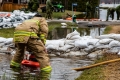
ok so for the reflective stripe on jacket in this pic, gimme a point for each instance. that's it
(22, 36)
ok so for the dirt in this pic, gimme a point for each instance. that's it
(115, 29)
(112, 70)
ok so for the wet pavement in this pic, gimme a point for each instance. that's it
(62, 69)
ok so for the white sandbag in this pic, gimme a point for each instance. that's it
(114, 43)
(98, 44)
(102, 46)
(2, 39)
(92, 41)
(81, 43)
(72, 34)
(105, 36)
(95, 55)
(92, 55)
(87, 37)
(52, 47)
(65, 48)
(77, 53)
(116, 37)
(75, 37)
(16, 12)
(2, 44)
(105, 41)
(4, 48)
(69, 41)
(113, 50)
(89, 48)
(8, 41)
(59, 42)
(118, 53)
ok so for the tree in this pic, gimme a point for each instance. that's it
(33, 5)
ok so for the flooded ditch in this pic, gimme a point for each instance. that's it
(62, 69)
(62, 66)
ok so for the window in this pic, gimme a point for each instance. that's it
(15, 1)
(7, 0)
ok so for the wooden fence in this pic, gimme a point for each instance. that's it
(11, 6)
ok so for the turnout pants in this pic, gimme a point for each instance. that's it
(38, 49)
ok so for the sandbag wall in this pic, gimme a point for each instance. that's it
(12, 19)
(74, 44)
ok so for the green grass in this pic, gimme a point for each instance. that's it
(7, 33)
(60, 15)
(107, 29)
(94, 73)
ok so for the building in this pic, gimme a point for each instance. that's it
(10, 5)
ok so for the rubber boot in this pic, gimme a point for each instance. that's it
(15, 66)
(45, 73)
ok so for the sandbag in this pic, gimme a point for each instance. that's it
(69, 41)
(52, 47)
(65, 48)
(2, 40)
(75, 37)
(8, 41)
(81, 43)
(95, 55)
(116, 37)
(89, 48)
(98, 44)
(114, 43)
(77, 53)
(105, 41)
(113, 50)
(72, 34)
(105, 36)
(92, 41)
(102, 47)
(59, 42)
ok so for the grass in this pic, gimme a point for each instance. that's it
(94, 73)
(61, 15)
(7, 33)
(107, 29)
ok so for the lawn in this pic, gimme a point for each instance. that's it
(61, 15)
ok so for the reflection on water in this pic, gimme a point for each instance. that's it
(25, 73)
(59, 33)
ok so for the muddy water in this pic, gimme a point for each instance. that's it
(62, 69)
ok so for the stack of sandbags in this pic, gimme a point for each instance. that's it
(69, 42)
(54, 44)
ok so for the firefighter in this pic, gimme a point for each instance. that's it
(88, 9)
(110, 12)
(118, 12)
(49, 9)
(32, 34)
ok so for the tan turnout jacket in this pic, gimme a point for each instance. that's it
(37, 25)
